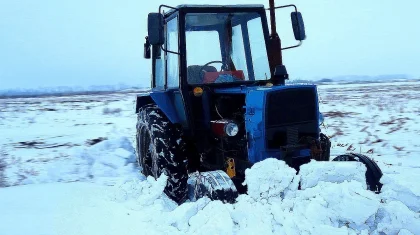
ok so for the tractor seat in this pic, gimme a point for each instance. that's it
(224, 76)
(195, 73)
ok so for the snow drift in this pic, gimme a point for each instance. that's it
(332, 200)
(105, 162)
(274, 205)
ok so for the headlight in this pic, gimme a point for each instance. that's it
(225, 128)
(231, 129)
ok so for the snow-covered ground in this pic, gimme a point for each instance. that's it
(71, 163)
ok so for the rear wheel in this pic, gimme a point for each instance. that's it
(159, 151)
(373, 172)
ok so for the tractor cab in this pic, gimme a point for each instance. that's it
(215, 45)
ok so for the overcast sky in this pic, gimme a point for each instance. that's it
(92, 42)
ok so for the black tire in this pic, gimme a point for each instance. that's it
(159, 151)
(373, 172)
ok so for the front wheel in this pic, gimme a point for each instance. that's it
(159, 151)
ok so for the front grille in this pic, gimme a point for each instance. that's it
(290, 107)
(292, 134)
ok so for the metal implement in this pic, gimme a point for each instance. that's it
(215, 185)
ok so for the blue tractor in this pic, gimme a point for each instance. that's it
(219, 103)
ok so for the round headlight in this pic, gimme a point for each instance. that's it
(231, 129)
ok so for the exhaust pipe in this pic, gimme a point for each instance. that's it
(275, 55)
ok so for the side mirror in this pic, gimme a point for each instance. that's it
(298, 26)
(147, 54)
(155, 29)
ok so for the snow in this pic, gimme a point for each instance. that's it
(403, 187)
(63, 185)
(315, 172)
(44, 91)
(395, 216)
(270, 178)
(138, 204)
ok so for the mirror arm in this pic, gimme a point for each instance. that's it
(294, 6)
(168, 51)
(291, 5)
(298, 45)
(160, 11)
(166, 6)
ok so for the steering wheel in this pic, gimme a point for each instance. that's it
(200, 72)
(209, 63)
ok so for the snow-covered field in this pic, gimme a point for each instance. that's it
(70, 165)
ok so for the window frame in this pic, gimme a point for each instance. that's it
(167, 20)
(155, 50)
(181, 13)
(251, 74)
(164, 54)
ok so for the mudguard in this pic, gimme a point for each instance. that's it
(142, 100)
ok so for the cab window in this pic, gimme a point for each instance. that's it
(172, 59)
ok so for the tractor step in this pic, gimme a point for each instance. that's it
(215, 185)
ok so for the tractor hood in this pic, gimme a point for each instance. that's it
(276, 117)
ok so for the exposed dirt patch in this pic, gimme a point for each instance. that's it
(95, 141)
(340, 114)
(48, 110)
(40, 145)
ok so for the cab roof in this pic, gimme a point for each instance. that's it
(203, 6)
(222, 6)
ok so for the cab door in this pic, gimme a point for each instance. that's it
(166, 75)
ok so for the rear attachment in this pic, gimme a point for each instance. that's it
(373, 172)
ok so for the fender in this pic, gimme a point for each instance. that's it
(142, 100)
(169, 102)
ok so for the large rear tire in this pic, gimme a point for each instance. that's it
(373, 172)
(159, 151)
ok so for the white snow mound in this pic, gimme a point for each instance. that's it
(395, 218)
(335, 172)
(345, 204)
(273, 205)
(403, 187)
(106, 163)
(270, 178)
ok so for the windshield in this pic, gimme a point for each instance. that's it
(225, 48)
